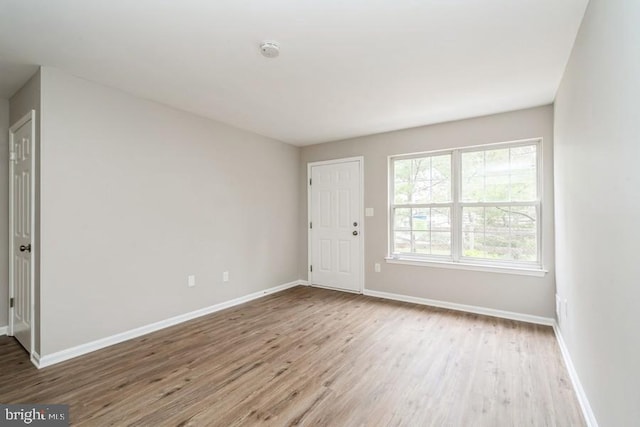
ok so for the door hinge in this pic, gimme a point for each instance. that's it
(11, 303)
(309, 181)
(311, 268)
(310, 224)
(12, 156)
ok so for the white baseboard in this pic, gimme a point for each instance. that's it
(4, 330)
(463, 307)
(70, 353)
(587, 412)
(35, 359)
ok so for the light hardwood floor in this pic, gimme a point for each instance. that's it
(311, 356)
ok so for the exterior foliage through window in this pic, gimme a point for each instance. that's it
(473, 205)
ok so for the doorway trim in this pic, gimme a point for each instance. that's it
(31, 115)
(360, 160)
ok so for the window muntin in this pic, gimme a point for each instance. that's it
(499, 175)
(476, 205)
(422, 208)
(423, 230)
(506, 233)
(422, 180)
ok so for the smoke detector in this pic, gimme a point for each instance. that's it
(270, 49)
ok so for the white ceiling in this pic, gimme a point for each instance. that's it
(346, 68)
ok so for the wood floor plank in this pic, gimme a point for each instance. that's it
(312, 357)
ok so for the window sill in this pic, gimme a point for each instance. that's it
(537, 272)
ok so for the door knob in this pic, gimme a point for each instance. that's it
(24, 248)
(355, 233)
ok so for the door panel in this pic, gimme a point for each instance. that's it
(336, 255)
(325, 255)
(344, 256)
(21, 233)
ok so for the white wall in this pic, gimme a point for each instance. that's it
(597, 129)
(4, 212)
(137, 195)
(521, 294)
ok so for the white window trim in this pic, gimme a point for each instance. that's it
(456, 260)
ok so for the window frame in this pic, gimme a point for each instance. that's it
(457, 259)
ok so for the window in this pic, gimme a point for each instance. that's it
(477, 205)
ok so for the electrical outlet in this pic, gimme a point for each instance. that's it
(558, 307)
(225, 276)
(566, 308)
(376, 267)
(191, 281)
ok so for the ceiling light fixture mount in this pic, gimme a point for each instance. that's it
(270, 49)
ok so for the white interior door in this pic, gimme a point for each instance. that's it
(21, 230)
(335, 232)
